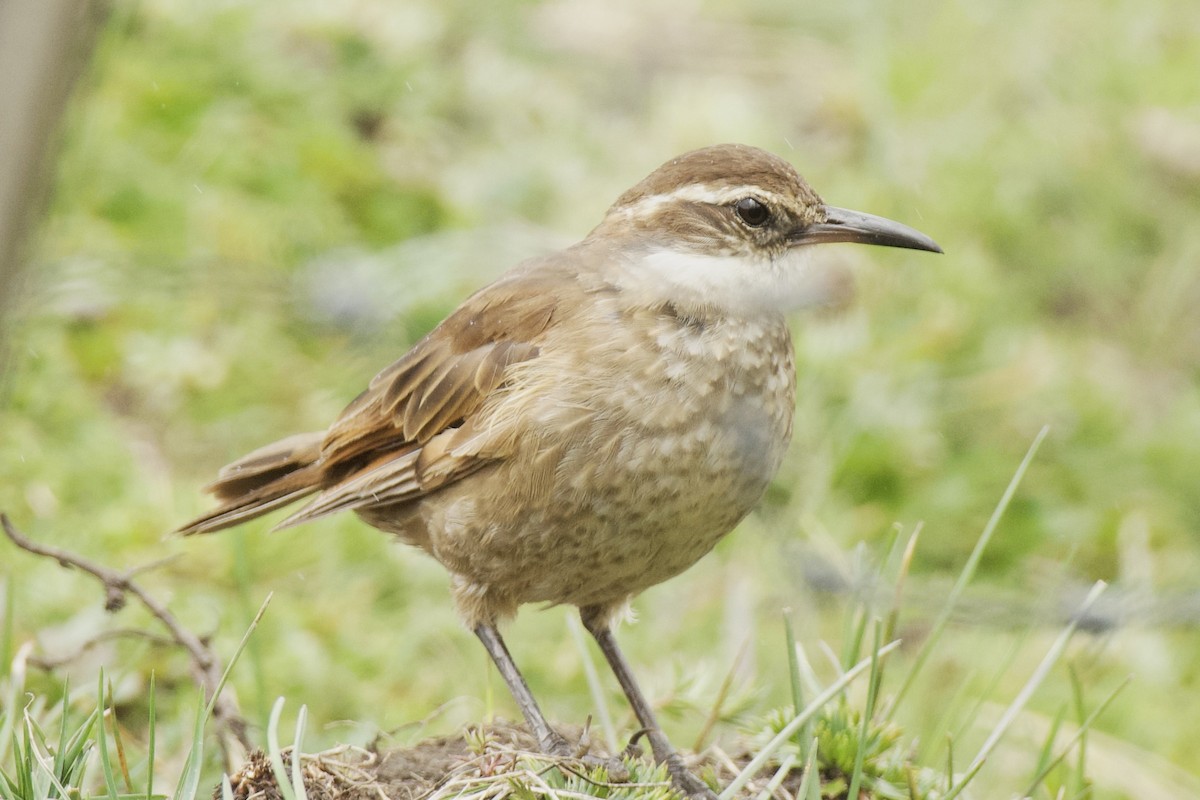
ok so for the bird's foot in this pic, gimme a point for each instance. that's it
(685, 781)
(558, 746)
(683, 778)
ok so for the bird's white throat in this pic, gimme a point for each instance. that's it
(746, 286)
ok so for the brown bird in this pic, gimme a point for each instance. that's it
(593, 422)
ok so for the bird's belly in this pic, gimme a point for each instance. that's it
(628, 507)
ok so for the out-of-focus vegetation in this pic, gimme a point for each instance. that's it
(260, 205)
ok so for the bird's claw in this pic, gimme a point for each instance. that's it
(559, 747)
(686, 782)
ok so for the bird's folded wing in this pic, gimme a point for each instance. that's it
(411, 431)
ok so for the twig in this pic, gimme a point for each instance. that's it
(152, 565)
(47, 664)
(205, 665)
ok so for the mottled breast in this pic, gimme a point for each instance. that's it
(638, 440)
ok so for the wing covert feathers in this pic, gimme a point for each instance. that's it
(398, 440)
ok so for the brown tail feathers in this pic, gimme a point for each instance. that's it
(269, 478)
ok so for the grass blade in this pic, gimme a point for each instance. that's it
(1079, 734)
(48, 768)
(777, 779)
(1047, 751)
(110, 780)
(949, 762)
(867, 714)
(6, 637)
(16, 685)
(243, 580)
(810, 784)
(212, 703)
(714, 714)
(1080, 774)
(1031, 685)
(122, 761)
(805, 733)
(906, 559)
(60, 752)
(275, 753)
(968, 571)
(189, 781)
(150, 745)
(298, 753)
(1003, 666)
(789, 730)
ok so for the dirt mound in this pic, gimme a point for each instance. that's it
(481, 762)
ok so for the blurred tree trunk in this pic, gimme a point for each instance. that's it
(44, 45)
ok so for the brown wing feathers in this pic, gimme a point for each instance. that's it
(459, 388)
(269, 478)
(372, 454)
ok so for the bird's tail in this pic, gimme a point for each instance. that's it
(269, 478)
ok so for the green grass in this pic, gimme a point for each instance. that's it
(257, 206)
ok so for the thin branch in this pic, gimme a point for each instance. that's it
(47, 664)
(152, 565)
(117, 585)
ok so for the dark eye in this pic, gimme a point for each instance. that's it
(752, 212)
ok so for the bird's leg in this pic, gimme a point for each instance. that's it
(550, 741)
(597, 624)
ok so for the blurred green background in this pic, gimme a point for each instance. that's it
(259, 205)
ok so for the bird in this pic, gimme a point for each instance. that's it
(595, 420)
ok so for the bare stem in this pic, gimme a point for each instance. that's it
(117, 586)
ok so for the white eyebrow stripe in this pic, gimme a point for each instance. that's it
(692, 193)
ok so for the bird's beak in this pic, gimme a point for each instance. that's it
(844, 225)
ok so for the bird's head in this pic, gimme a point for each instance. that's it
(731, 225)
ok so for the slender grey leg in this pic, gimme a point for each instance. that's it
(664, 753)
(549, 741)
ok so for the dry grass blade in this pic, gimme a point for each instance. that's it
(1018, 703)
(760, 760)
(1080, 732)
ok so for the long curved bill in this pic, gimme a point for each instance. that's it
(844, 225)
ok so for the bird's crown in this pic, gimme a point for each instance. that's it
(721, 198)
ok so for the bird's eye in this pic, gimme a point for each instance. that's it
(752, 212)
